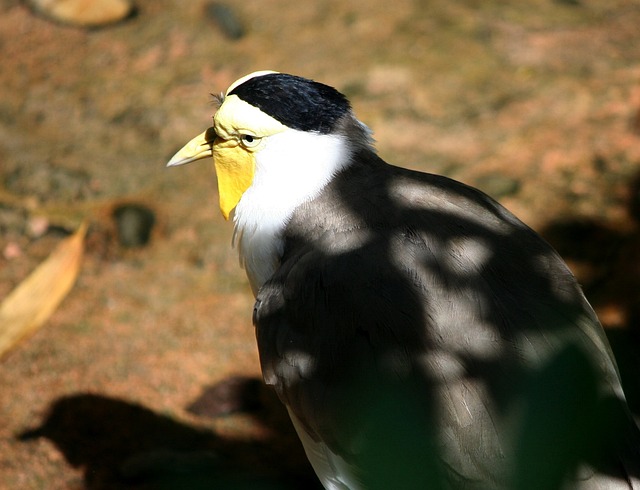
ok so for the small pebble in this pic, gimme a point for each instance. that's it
(84, 13)
(134, 223)
(226, 19)
(38, 226)
(12, 251)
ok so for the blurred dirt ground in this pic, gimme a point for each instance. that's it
(131, 382)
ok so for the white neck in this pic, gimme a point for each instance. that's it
(292, 168)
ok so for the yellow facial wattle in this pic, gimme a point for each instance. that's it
(239, 132)
(233, 159)
(235, 167)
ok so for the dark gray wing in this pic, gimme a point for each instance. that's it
(408, 321)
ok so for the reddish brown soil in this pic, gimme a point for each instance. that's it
(538, 104)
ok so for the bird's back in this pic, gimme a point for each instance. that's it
(412, 324)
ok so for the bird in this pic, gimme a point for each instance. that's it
(419, 335)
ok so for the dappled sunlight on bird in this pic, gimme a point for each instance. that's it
(419, 334)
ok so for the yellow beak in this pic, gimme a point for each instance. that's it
(234, 165)
(198, 148)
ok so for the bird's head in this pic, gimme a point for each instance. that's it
(280, 128)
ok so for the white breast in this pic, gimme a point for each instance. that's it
(291, 168)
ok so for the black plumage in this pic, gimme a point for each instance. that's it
(408, 323)
(296, 102)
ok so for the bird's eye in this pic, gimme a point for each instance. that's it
(249, 141)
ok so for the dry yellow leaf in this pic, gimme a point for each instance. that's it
(33, 301)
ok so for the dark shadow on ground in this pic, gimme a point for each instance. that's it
(608, 263)
(123, 445)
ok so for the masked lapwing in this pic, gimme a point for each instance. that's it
(419, 335)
